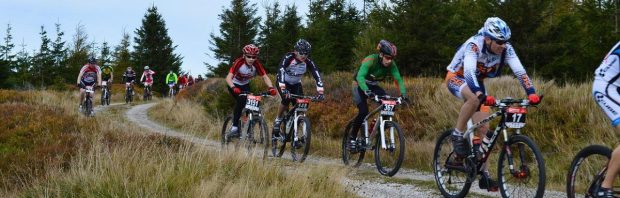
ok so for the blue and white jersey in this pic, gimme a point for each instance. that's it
(609, 70)
(474, 62)
(292, 70)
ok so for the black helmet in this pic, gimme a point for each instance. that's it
(303, 47)
(386, 48)
(92, 60)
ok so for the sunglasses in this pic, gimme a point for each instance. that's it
(499, 42)
(250, 57)
(387, 57)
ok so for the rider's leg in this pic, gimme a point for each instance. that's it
(467, 110)
(362, 106)
(239, 104)
(614, 166)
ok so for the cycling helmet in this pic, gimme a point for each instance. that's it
(386, 48)
(497, 29)
(251, 49)
(146, 67)
(303, 47)
(128, 68)
(92, 60)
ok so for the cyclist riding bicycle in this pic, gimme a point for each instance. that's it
(606, 92)
(171, 78)
(482, 55)
(242, 71)
(147, 76)
(129, 77)
(292, 68)
(89, 74)
(374, 68)
(182, 81)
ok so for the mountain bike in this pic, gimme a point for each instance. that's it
(128, 92)
(87, 104)
(147, 93)
(385, 138)
(520, 168)
(587, 172)
(171, 90)
(295, 128)
(251, 122)
(105, 93)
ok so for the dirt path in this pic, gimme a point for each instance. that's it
(406, 182)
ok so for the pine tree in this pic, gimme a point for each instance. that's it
(43, 61)
(7, 65)
(238, 27)
(59, 55)
(104, 57)
(122, 56)
(78, 54)
(7, 47)
(153, 47)
(23, 63)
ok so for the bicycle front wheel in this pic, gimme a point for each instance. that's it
(389, 156)
(302, 144)
(350, 158)
(257, 135)
(527, 179)
(587, 171)
(452, 175)
(278, 146)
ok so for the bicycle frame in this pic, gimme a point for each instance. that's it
(368, 138)
(295, 113)
(469, 134)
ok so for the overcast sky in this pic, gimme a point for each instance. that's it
(189, 22)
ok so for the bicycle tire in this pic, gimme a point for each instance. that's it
(261, 138)
(524, 174)
(89, 106)
(599, 168)
(225, 127)
(347, 156)
(277, 146)
(304, 140)
(444, 143)
(400, 148)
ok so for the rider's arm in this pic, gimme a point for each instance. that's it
(142, 77)
(111, 74)
(282, 71)
(469, 67)
(517, 68)
(229, 80)
(98, 76)
(363, 71)
(267, 80)
(315, 72)
(260, 70)
(80, 76)
(398, 78)
(176, 79)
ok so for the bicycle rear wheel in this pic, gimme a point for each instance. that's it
(225, 128)
(528, 177)
(389, 159)
(587, 171)
(453, 177)
(302, 144)
(349, 158)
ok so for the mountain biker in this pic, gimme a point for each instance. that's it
(182, 81)
(107, 73)
(292, 68)
(129, 77)
(199, 78)
(482, 55)
(89, 74)
(374, 68)
(147, 77)
(171, 78)
(605, 90)
(190, 81)
(242, 71)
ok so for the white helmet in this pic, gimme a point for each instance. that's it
(497, 29)
(146, 67)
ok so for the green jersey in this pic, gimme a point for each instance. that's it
(171, 77)
(106, 72)
(373, 71)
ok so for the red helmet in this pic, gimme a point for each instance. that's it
(251, 49)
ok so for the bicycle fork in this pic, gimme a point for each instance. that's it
(522, 172)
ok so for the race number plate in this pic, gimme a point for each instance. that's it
(253, 103)
(515, 117)
(89, 89)
(302, 104)
(388, 107)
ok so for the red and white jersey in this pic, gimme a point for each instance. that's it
(148, 74)
(243, 73)
(89, 73)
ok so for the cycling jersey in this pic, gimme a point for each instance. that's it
(89, 74)
(291, 70)
(372, 71)
(106, 72)
(147, 76)
(171, 78)
(473, 62)
(129, 76)
(243, 73)
(605, 88)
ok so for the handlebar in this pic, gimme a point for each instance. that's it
(377, 99)
(246, 93)
(509, 101)
(313, 98)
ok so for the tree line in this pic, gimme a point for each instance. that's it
(555, 39)
(57, 62)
